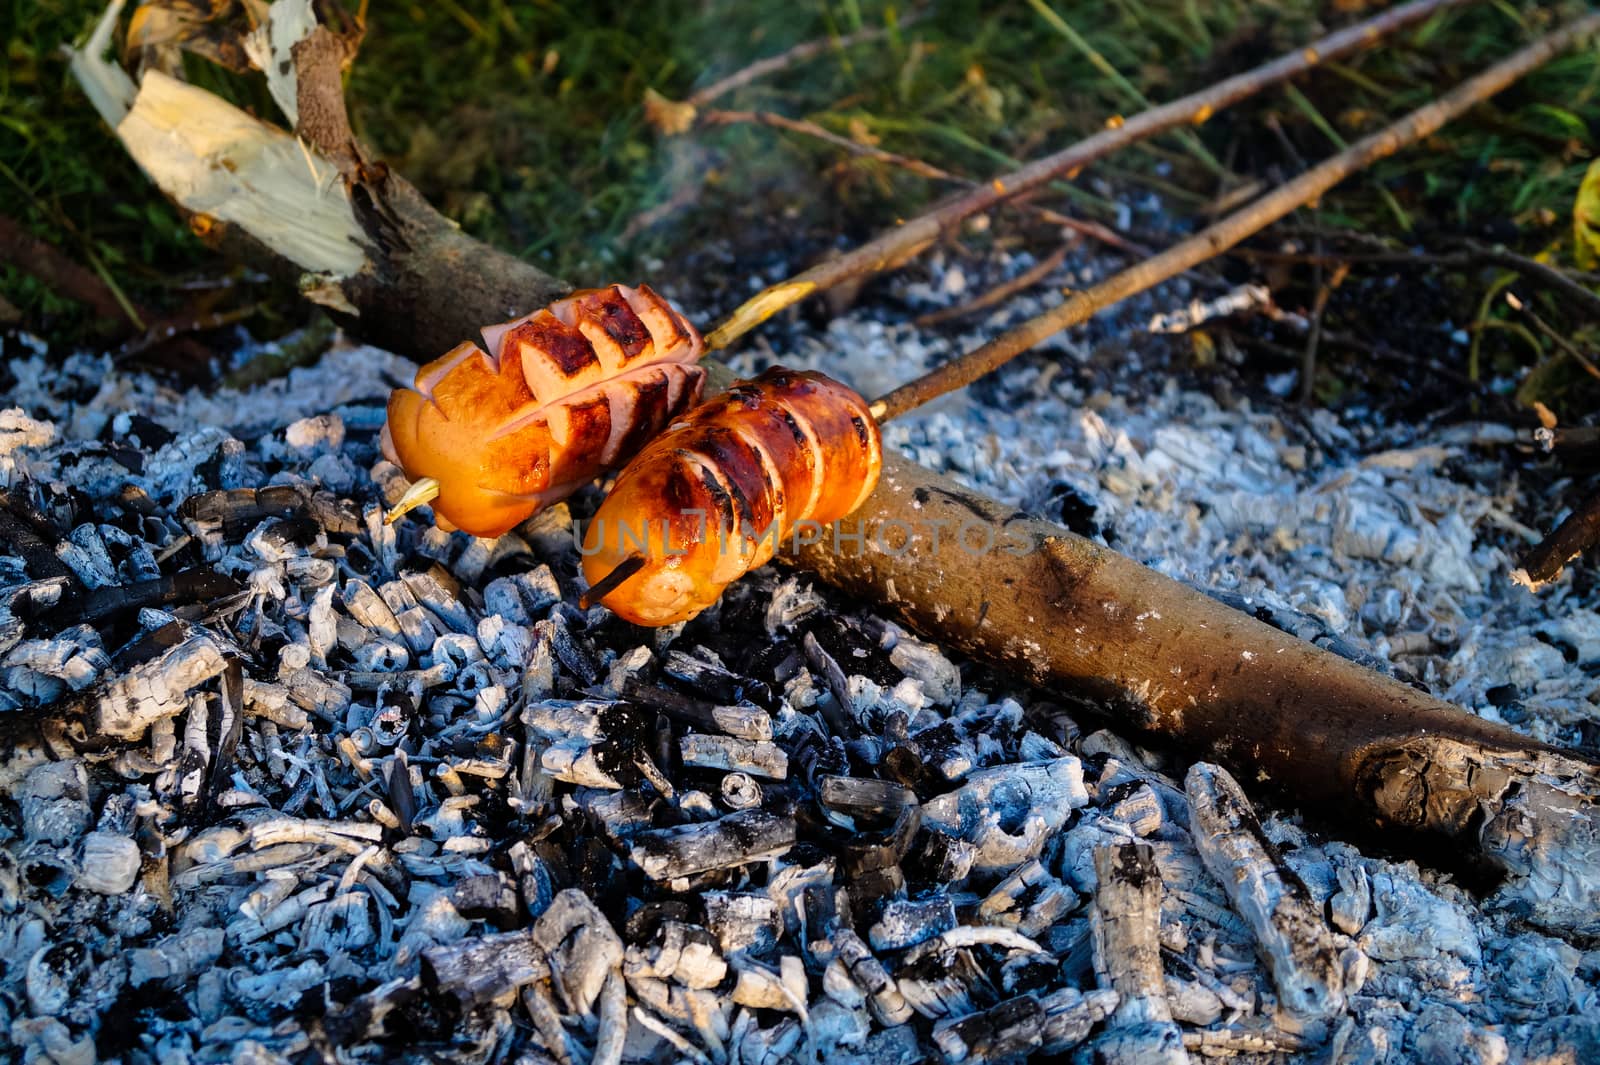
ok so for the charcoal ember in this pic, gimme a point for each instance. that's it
(489, 896)
(237, 511)
(573, 654)
(905, 923)
(1028, 900)
(751, 757)
(710, 680)
(1013, 1027)
(864, 797)
(743, 923)
(865, 852)
(1009, 813)
(737, 839)
(486, 969)
(741, 722)
(939, 981)
(944, 858)
(855, 975)
(817, 755)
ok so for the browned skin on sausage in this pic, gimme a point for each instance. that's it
(714, 496)
(508, 432)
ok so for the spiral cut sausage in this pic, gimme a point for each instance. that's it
(719, 492)
(561, 396)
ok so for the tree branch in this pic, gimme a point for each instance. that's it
(904, 242)
(1246, 222)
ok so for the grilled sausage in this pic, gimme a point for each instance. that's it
(716, 494)
(565, 394)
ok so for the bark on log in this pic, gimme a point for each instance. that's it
(1060, 610)
(1169, 661)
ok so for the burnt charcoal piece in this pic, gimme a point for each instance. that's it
(187, 587)
(713, 682)
(402, 800)
(741, 722)
(867, 851)
(472, 972)
(748, 836)
(819, 756)
(875, 800)
(840, 717)
(238, 510)
(491, 897)
(1015, 1026)
(575, 653)
(29, 535)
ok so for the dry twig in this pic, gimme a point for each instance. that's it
(1577, 534)
(1213, 240)
(904, 242)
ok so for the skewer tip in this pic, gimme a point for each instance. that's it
(421, 492)
(611, 581)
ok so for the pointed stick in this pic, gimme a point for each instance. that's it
(611, 581)
(904, 242)
(1210, 242)
(422, 492)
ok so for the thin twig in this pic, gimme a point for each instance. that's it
(1571, 538)
(902, 243)
(1567, 347)
(798, 54)
(1023, 281)
(1308, 361)
(922, 168)
(63, 274)
(1570, 283)
(1236, 227)
(807, 128)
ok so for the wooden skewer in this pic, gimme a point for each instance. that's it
(611, 581)
(422, 492)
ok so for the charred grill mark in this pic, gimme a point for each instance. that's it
(800, 436)
(610, 311)
(651, 410)
(861, 432)
(563, 344)
(729, 510)
(673, 316)
(743, 470)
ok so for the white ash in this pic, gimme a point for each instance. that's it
(423, 757)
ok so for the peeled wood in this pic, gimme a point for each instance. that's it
(1070, 615)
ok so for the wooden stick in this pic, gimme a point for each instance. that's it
(1246, 222)
(1167, 660)
(904, 242)
(798, 54)
(1023, 281)
(1579, 533)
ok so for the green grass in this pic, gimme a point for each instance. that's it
(523, 120)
